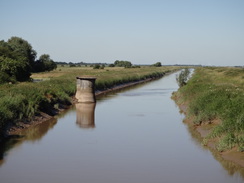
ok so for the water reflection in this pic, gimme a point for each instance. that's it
(85, 115)
(6, 145)
(36, 132)
(230, 167)
(33, 133)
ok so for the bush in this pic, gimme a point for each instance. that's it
(122, 63)
(182, 78)
(157, 64)
(111, 65)
(96, 66)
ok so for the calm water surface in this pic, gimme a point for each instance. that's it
(132, 136)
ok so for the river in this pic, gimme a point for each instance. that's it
(134, 135)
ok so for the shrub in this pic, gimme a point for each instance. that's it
(157, 64)
(183, 77)
(96, 66)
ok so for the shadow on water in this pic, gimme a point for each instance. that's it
(7, 144)
(32, 134)
(231, 167)
(35, 133)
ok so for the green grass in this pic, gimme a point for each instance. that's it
(24, 100)
(218, 93)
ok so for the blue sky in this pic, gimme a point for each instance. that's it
(207, 32)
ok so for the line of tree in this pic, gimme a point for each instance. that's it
(79, 64)
(18, 61)
(157, 64)
(122, 63)
(44, 63)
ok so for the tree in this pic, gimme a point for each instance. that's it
(102, 66)
(13, 70)
(22, 49)
(157, 64)
(96, 66)
(48, 62)
(111, 65)
(14, 66)
(17, 60)
(126, 64)
(183, 77)
(44, 63)
(6, 51)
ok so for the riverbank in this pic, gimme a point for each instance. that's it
(204, 130)
(212, 102)
(15, 128)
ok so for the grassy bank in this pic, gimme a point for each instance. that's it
(20, 102)
(216, 94)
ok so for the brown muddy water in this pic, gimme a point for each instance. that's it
(131, 136)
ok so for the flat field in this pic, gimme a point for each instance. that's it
(101, 74)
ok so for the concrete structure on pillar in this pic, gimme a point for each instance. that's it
(85, 89)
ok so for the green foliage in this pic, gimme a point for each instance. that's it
(72, 65)
(212, 93)
(23, 49)
(13, 70)
(136, 66)
(157, 64)
(4, 77)
(106, 84)
(126, 64)
(183, 77)
(96, 66)
(111, 65)
(23, 101)
(6, 50)
(102, 66)
(17, 61)
(227, 142)
(45, 63)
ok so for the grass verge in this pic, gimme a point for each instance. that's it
(217, 93)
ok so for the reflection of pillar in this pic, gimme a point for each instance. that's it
(85, 89)
(85, 115)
